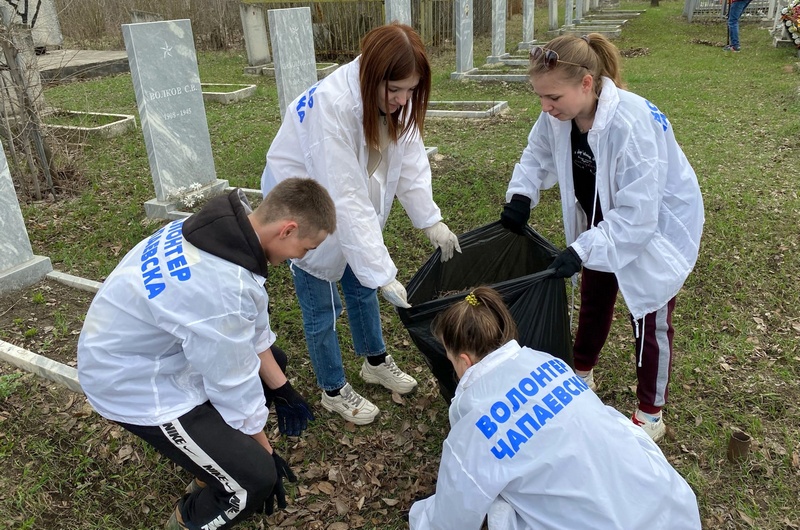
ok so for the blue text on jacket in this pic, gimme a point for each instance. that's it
(659, 116)
(559, 395)
(301, 103)
(176, 262)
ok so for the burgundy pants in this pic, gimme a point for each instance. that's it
(653, 338)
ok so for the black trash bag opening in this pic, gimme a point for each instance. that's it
(512, 264)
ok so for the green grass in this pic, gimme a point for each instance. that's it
(737, 319)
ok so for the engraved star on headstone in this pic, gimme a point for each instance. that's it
(167, 48)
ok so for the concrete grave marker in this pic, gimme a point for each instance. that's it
(254, 25)
(42, 19)
(498, 32)
(568, 13)
(293, 52)
(552, 15)
(19, 268)
(163, 65)
(528, 8)
(463, 27)
(399, 11)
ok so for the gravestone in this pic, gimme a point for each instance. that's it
(528, 8)
(399, 11)
(163, 65)
(463, 30)
(256, 43)
(19, 267)
(42, 19)
(579, 8)
(138, 15)
(292, 42)
(552, 15)
(498, 32)
(568, 12)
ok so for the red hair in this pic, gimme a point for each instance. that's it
(392, 53)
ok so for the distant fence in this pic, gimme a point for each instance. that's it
(339, 25)
(717, 9)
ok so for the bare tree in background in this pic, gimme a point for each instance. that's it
(22, 98)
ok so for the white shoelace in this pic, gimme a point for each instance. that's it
(352, 398)
(394, 369)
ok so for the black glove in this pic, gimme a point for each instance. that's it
(293, 411)
(566, 264)
(282, 471)
(516, 213)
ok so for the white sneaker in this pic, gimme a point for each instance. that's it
(588, 378)
(350, 406)
(389, 375)
(654, 428)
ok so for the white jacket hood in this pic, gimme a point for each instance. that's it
(651, 201)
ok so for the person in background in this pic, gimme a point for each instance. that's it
(358, 132)
(735, 11)
(177, 348)
(531, 447)
(631, 203)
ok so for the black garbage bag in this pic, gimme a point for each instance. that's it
(514, 265)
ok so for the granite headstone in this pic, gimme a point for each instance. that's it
(19, 267)
(163, 65)
(463, 28)
(254, 25)
(498, 32)
(292, 41)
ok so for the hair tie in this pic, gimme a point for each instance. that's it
(586, 39)
(472, 300)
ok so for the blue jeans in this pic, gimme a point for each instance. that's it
(321, 306)
(734, 14)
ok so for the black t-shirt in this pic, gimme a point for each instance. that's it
(584, 172)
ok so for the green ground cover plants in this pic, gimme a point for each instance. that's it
(737, 319)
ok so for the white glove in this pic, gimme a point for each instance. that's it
(395, 293)
(442, 237)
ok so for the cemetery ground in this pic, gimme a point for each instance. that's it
(737, 320)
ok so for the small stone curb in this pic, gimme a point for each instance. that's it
(42, 366)
(39, 364)
(75, 281)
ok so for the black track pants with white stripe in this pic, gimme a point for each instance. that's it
(238, 471)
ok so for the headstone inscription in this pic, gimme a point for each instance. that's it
(163, 65)
(19, 267)
(292, 41)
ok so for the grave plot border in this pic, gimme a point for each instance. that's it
(228, 97)
(125, 123)
(40, 365)
(494, 108)
(323, 70)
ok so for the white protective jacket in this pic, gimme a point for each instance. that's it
(174, 326)
(322, 137)
(651, 202)
(525, 429)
